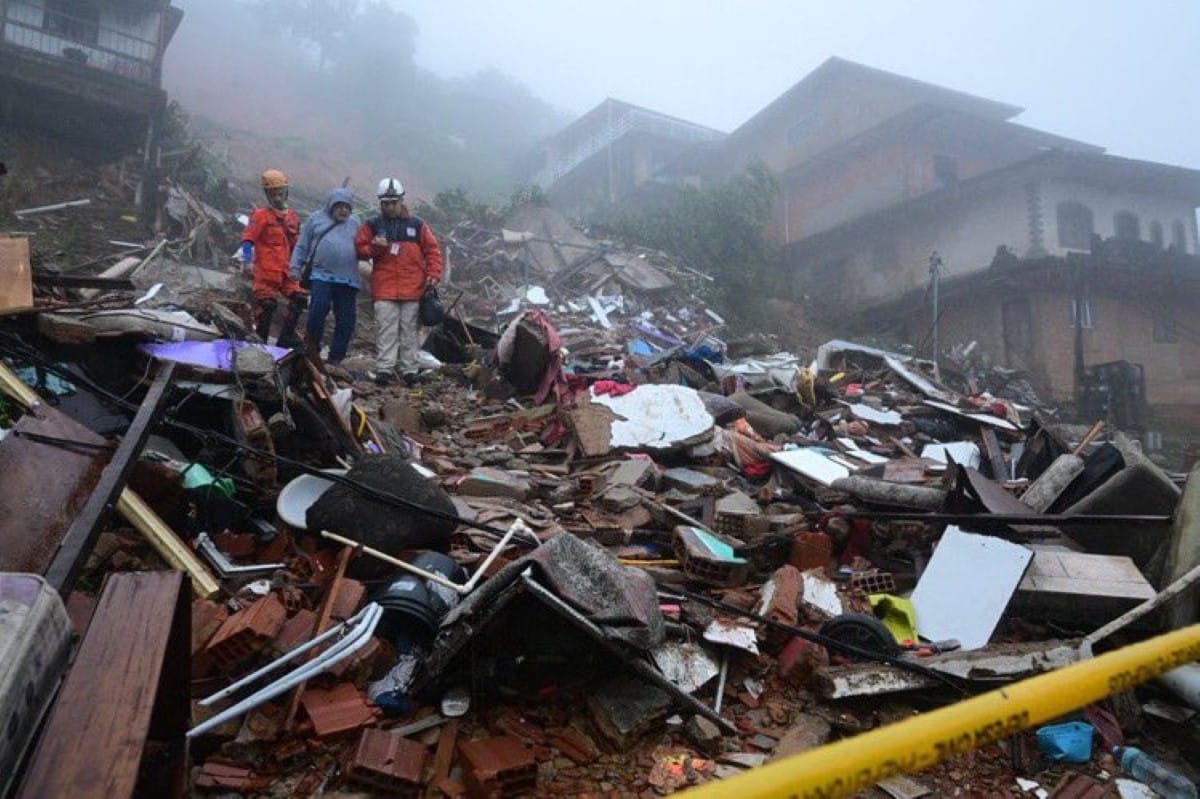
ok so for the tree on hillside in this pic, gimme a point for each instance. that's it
(718, 230)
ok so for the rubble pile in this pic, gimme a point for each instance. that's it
(600, 551)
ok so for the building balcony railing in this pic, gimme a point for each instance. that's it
(30, 26)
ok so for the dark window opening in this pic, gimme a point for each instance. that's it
(78, 20)
(1156, 233)
(1075, 226)
(1126, 226)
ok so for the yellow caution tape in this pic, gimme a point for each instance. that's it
(848, 766)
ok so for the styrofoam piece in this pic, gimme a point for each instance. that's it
(812, 463)
(965, 453)
(685, 663)
(820, 592)
(967, 585)
(658, 417)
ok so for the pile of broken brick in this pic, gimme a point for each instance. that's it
(602, 551)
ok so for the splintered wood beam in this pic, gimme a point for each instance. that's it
(81, 536)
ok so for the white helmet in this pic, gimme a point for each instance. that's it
(390, 189)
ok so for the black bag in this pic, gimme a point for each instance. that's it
(431, 312)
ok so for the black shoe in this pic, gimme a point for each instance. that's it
(411, 379)
(383, 378)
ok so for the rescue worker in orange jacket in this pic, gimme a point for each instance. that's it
(406, 260)
(267, 245)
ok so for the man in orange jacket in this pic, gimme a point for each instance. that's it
(406, 260)
(267, 244)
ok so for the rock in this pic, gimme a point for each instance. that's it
(808, 732)
(386, 527)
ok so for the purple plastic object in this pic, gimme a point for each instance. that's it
(212, 354)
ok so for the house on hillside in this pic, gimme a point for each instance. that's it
(610, 152)
(880, 173)
(86, 69)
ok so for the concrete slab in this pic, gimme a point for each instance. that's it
(1080, 587)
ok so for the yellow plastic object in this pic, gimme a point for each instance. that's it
(897, 614)
(853, 764)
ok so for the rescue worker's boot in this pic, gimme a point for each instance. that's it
(266, 312)
(291, 319)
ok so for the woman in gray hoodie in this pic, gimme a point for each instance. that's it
(327, 238)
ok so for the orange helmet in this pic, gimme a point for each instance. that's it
(274, 179)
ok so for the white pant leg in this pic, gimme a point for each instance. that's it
(410, 329)
(387, 333)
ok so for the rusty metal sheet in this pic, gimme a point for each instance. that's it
(43, 486)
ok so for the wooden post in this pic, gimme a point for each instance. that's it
(78, 542)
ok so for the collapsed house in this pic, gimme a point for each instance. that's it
(606, 549)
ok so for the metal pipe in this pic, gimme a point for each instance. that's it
(232, 689)
(461, 589)
(335, 654)
(1164, 596)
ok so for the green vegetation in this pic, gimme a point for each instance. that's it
(717, 230)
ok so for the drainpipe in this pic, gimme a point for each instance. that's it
(935, 280)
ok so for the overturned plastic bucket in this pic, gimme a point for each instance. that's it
(1067, 743)
(415, 606)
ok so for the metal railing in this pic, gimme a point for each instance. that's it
(83, 41)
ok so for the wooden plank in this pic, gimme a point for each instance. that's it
(128, 686)
(16, 274)
(43, 485)
(78, 542)
(443, 758)
(995, 455)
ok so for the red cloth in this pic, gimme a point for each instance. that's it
(401, 270)
(612, 387)
(273, 234)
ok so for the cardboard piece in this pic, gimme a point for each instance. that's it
(16, 275)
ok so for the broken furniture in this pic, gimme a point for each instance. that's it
(121, 698)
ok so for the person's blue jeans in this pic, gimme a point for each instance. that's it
(343, 301)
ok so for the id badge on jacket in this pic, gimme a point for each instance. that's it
(394, 248)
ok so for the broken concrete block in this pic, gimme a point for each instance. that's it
(1183, 552)
(1051, 483)
(807, 732)
(1139, 488)
(691, 481)
(488, 482)
(657, 417)
(706, 558)
(633, 472)
(624, 707)
(704, 734)
(1079, 587)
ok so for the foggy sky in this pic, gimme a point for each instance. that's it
(1122, 75)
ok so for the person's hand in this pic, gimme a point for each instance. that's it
(380, 241)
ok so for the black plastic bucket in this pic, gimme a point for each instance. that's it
(416, 606)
